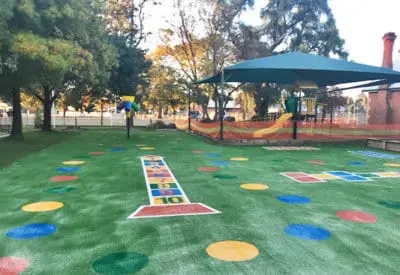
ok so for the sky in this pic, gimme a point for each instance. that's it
(361, 23)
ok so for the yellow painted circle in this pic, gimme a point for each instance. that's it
(392, 164)
(254, 186)
(73, 162)
(42, 206)
(232, 251)
(147, 148)
(239, 159)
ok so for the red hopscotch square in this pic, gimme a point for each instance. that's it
(172, 210)
(308, 179)
(296, 174)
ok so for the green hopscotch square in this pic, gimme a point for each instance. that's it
(154, 186)
(368, 175)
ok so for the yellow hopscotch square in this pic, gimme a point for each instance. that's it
(169, 200)
(161, 180)
(388, 174)
(324, 176)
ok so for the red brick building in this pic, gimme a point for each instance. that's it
(384, 101)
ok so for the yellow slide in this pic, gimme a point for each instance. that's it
(278, 124)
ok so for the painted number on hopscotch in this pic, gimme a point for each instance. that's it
(162, 186)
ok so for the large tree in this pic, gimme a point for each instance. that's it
(289, 25)
(218, 18)
(132, 68)
(57, 44)
(166, 89)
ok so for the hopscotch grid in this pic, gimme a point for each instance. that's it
(147, 182)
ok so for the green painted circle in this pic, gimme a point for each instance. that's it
(60, 189)
(277, 160)
(225, 177)
(390, 204)
(120, 263)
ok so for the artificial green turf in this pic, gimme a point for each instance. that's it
(92, 224)
(11, 150)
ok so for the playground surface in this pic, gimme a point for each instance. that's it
(98, 203)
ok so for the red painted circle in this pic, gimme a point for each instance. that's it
(63, 178)
(12, 265)
(316, 162)
(356, 216)
(198, 152)
(96, 153)
(208, 169)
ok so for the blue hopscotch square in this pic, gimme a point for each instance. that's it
(166, 192)
(153, 163)
(354, 178)
(339, 174)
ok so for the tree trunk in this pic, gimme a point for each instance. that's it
(64, 113)
(16, 130)
(216, 110)
(205, 111)
(47, 109)
(160, 110)
(101, 114)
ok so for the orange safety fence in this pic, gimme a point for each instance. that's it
(284, 130)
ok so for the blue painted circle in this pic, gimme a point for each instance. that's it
(293, 199)
(31, 231)
(307, 232)
(356, 163)
(68, 169)
(117, 150)
(220, 163)
(213, 155)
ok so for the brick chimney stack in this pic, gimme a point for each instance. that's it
(388, 43)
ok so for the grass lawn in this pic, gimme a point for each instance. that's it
(91, 234)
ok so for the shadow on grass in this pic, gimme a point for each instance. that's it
(12, 150)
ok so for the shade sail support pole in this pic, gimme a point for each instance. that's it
(189, 99)
(221, 107)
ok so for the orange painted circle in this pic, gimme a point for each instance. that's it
(232, 251)
(96, 153)
(254, 186)
(42, 206)
(208, 169)
(319, 162)
(63, 178)
(197, 151)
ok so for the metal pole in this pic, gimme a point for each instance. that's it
(128, 126)
(189, 127)
(53, 110)
(296, 116)
(316, 107)
(221, 108)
